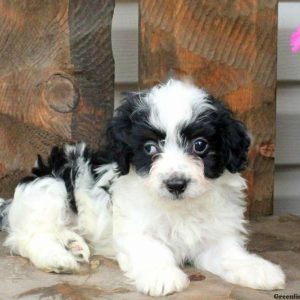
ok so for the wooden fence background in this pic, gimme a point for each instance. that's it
(56, 79)
(57, 75)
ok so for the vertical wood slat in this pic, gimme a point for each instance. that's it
(229, 48)
(56, 79)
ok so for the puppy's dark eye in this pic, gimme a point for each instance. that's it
(150, 148)
(199, 145)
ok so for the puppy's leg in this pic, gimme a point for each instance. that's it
(37, 225)
(151, 265)
(233, 263)
(47, 253)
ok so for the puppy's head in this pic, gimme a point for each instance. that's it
(178, 139)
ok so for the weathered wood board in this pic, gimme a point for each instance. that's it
(229, 48)
(56, 79)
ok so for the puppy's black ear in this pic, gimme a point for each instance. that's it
(119, 131)
(236, 143)
(235, 140)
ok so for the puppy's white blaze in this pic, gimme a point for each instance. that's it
(174, 162)
(176, 103)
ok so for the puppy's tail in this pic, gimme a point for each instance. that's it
(4, 209)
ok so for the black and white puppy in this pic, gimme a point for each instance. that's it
(168, 191)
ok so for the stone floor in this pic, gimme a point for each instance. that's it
(275, 238)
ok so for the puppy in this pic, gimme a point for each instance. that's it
(168, 190)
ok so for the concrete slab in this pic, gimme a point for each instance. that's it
(276, 238)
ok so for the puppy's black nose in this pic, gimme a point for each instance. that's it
(176, 185)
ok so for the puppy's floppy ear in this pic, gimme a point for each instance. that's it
(119, 130)
(236, 142)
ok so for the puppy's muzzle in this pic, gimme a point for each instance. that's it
(176, 185)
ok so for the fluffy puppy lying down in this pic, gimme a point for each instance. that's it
(167, 191)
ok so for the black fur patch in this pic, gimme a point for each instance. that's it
(228, 141)
(128, 132)
(64, 166)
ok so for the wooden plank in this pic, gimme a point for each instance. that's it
(56, 78)
(288, 20)
(20, 142)
(288, 124)
(228, 47)
(288, 140)
(93, 67)
(288, 98)
(287, 190)
(125, 41)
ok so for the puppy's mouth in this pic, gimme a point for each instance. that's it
(177, 196)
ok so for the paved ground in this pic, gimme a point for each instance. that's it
(275, 238)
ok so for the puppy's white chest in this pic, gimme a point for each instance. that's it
(182, 235)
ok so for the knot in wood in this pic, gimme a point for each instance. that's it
(61, 94)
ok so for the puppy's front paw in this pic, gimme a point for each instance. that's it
(161, 282)
(257, 273)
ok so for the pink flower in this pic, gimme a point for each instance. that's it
(295, 41)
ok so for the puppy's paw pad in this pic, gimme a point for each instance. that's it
(161, 282)
(76, 246)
